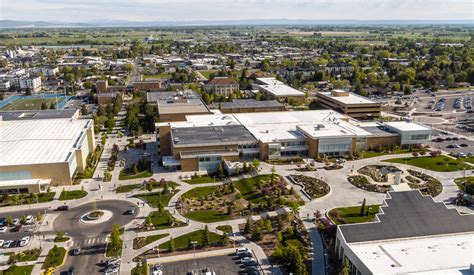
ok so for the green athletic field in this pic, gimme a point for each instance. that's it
(30, 103)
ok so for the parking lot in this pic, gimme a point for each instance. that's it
(11, 234)
(229, 264)
(451, 143)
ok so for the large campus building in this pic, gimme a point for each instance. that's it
(412, 234)
(275, 89)
(350, 104)
(203, 141)
(41, 148)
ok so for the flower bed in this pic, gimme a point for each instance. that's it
(378, 173)
(363, 183)
(314, 187)
(431, 186)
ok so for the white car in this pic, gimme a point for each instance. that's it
(3, 229)
(6, 244)
(24, 241)
(30, 219)
(16, 221)
(1, 243)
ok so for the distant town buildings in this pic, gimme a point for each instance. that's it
(223, 86)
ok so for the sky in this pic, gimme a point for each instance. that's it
(189, 10)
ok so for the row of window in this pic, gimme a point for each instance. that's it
(344, 147)
(419, 137)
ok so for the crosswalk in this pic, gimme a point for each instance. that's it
(89, 241)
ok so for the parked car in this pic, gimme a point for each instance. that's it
(1, 243)
(3, 229)
(24, 241)
(3, 221)
(247, 261)
(62, 208)
(6, 244)
(16, 228)
(463, 145)
(16, 221)
(30, 219)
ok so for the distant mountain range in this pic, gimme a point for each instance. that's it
(8, 24)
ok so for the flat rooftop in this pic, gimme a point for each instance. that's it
(25, 142)
(449, 254)
(409, 214)
(209, 135)
(40, 114)
(407, 126)
(250, 103)
(182, 106)
(335, 130)
(350, 98)
(155, 96)
(278, 88)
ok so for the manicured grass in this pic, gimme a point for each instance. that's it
(352, 214)
(140, 270)
(155, 185)
(154, 199)
(207, 216)
(127, 188)
(72, 195)
(469, 184)
(438, 163)
(26, 255)
(141, 242)
(198, 180)
(372, 154)
(61, 240)
(248, 187)
(200, 192)
(161, 220)
(225, 228)
(181, 242)
(16, 270)
(207, 73)
(144, 174)
(30, 103)
(54, 258)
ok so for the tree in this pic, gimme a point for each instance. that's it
(268, 225)
(219, 171)
(248, 226)
(9, 220)
(206, 238)
(44, 106)
(84, 110)
(225, 239)
(257, 233)
(59, 236)
(272, 177)
(362, 209)
(256, 164)
(148, 221)
(149, 187)
(171, 246)
(115, 240)
(23, 219)
(39, 216)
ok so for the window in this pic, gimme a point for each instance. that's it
(419, 137)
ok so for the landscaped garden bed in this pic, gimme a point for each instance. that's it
(157, 198)
(378, 173)
(142, 186)
(430, 185)
(158, 220)
(54, 258)
(314, 187)
(466, 184)
(362, 182)
(232, 200)
(199, 180)
(285, 161)
(26, 199)
(72, 195)
(25, 256)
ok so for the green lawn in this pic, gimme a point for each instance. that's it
(248, 187)
(225, 228)
(19, 270)
(469, 184)
(372, 154)
(438, 163)
(352, 214)
(144, 174)
(30, 103)
(141, 242)
(139, 270)
(161, 220)
(207, 73)
(54, 258)
(198, 180)
(181, 242)
(153, 198)
(130, 187)
(200, 192)
(72, 195)
(207, 216)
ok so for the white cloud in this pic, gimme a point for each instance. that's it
(182, 10)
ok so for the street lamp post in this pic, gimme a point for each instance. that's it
(194, 252)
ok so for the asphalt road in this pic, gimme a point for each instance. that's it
(91, 238)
